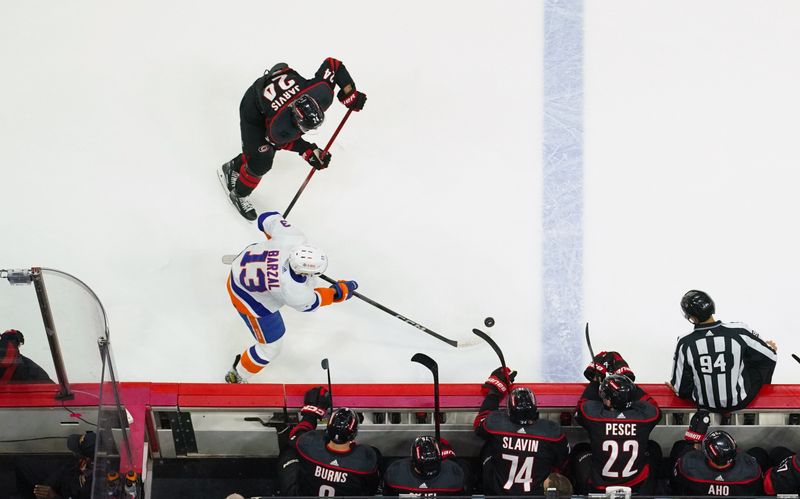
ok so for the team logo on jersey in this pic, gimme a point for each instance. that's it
(263, 148)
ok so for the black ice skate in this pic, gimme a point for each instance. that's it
(233, 376)
(227, 177)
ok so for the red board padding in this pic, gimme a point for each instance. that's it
(225, 395)
(355, 395)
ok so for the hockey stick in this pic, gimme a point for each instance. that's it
(589, 342)
(795, 357)
(228, 259)
(389, 311)
(327, 367)
(431, 364)
(492, 344)
(313, 170)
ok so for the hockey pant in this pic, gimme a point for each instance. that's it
(267, 331)
(257, 153)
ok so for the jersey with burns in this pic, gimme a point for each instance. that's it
(261, 281)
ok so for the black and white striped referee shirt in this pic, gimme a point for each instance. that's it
(721, 366)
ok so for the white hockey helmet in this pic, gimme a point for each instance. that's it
(308, 260)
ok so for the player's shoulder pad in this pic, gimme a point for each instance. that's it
(498, 423)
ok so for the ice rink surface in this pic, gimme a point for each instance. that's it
(116, 116)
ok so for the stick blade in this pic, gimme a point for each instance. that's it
(426, 361)
(324, 363)
(795, 357)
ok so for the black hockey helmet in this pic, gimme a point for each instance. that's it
(426, 457)
(342, 426)
(617, 389)
(13, 335)
(697, 304)
(522, 406)
(720, 448)
(306, 113)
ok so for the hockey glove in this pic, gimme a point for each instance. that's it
(343, 290)
(313, 155)
(617, 365)
(498, 382)
(597, 368)
(698, 426)
(316, 402)
(446, 448)
(13, 335)
(355, 100)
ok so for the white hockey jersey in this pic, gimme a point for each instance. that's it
(260, 281)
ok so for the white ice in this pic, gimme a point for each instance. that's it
(115, 116)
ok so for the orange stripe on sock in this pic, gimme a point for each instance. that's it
(248, 364)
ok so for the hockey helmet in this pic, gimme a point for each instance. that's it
(426, 457)
(522, 406)
(306, 113)
(720, 448)
(342, 426)
(617, 391)
(697, 304)
(308, 260)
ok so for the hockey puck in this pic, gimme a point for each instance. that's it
(488, 322)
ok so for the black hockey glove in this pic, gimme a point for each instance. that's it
(313, 155)
(605, 363)
(343, 290)
(498, 382)
(698, 426)
(316, 402)
(13, 335)
(355, 100)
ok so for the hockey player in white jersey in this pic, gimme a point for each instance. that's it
(266, 276)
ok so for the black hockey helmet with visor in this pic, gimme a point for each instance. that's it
(426, 456)
(697, 304)
(342, 426)
(307, 115)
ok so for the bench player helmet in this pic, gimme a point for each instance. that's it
(342, 426)
(697, 304)
(522, 406)
(306, 113)
(617, 391)
(308, 260)
(426, 457)
(720, 448)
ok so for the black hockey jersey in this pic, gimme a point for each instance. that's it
(274, 92)
(618, 438)
(324, 472)
(521, 456)
(401, 480)
(784, 478)
(692, 476)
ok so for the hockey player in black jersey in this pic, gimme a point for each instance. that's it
(717, 469)
(329, 462)
(720, 366)
(521, 450)
(275, 112)
(426, 473)
(619, 416)
(784, 478)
